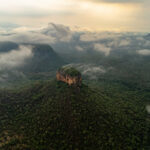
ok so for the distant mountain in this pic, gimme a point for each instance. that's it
(7, 46)
(44, 60)
(55, 116)
(18, 66)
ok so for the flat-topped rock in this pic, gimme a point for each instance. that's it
(69, 75)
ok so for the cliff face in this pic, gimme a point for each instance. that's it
(71, 80)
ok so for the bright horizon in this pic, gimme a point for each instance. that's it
(106, 15)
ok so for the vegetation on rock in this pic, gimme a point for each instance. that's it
(67, 70)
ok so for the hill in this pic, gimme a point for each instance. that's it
(23, 63)
(55, 116)
(7, 46)
(44, 59)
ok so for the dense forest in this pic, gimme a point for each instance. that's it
(52, 115)
(110, 110)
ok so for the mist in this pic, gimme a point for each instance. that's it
(15, 57)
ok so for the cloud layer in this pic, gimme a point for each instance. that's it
(64, 39)
(15, 58)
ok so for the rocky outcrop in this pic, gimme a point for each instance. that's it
(64, 75)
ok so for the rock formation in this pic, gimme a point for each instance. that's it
(69, 75)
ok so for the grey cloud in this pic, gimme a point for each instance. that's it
(59, 32)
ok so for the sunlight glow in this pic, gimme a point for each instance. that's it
(86, 13)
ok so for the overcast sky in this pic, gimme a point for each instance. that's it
(112, 15)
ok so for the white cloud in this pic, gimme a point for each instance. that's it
(15, 58)
(102, 48)
(89, 70)
(79, 48)
(144, 52)
(92, 71)
(28, 37)
(148, 108)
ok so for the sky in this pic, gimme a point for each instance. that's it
(101, 15)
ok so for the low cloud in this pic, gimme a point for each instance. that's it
(79, 48)
(89, 70)
(102, 48)
(15, 58)
(92, 71)
(144, 52)
(148, 109)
